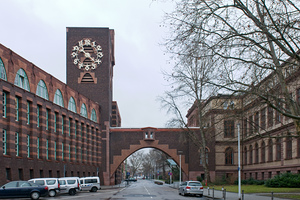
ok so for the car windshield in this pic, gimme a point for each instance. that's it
(195, 184)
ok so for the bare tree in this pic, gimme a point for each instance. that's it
(135, 162)
(190, 79)
(155, 160)
(254, 44)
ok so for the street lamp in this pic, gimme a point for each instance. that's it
(239, 160)
(180, 152)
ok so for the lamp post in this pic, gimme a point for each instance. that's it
(180, 152)
(239, 160)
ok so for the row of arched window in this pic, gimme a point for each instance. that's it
(21, 80)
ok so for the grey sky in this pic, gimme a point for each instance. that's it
(36, 30)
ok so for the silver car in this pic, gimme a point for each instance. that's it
(191, 188)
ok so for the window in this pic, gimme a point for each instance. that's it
(69, 152)
(256, 122)
(263, 152)
(206, 156)
(289, 148)
(55, 122)
(229, 156)
(83, 111)
(4, 141)
(17, 101)
(256, 153)
(17, 143)
(47, 149)
(270, 116)
(47, 118)
(58, 98)
(55, 153)
(250, 155)
(228, 128)
(263, 119)
(21, 80)
(245, 155)
(94, 116)
(62, 151)
(38, 115)
(42, 90)
(278, 149)
(28, 146)
(75, 154)
(2, 70)
(8, 175)
(38, 148)
(75, 128)
(62, 124)
(28, 112)
(4, 102)
(270, 150)
(72, 105)
(251, 125)
(70, 125)
(245, 127)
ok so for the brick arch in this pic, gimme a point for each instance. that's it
(118, 159)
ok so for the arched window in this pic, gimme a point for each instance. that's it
(94, 116)
(2, 71)
(21, 80)
(256, 153)
(72, 105)
(206, 156)
(58, 98)
(263, 152)
(42, 90)
(83, 111)
(229, 156)
(250, 155)
(270, 149)
(245, 155)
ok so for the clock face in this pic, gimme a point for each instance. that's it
(87, 55)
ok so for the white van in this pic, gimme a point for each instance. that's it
(70, 185)
(91, 183)
(51, 183)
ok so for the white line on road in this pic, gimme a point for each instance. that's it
(147, 191)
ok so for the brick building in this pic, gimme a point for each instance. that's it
(53, 129)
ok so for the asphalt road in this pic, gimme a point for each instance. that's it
(140, 190)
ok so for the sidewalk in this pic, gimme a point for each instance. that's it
(218, 194)
(121, 185)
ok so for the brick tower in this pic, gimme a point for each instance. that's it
(90, 61)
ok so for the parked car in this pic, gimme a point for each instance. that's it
(23, 189)
(131, 179)
(51, 183)
(70, 185)
(191, 188)
(91, 184)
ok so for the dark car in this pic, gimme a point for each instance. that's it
(23, 189)
(131, 180)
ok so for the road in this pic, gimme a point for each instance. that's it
(140, 190)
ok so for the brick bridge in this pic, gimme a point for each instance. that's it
(120, 143)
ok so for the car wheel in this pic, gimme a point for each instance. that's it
(35, 195)
(72, 192)
(94, 189)
(52, 193)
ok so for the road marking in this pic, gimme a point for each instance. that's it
(147, 191)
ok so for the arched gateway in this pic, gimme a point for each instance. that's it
(120, 143)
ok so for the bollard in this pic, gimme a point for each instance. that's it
(272, 196)
(224, 194)
(208, 191)
(242, 194)
(213, 193)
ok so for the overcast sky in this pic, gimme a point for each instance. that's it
(36, 30)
